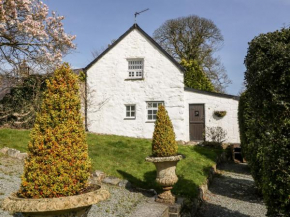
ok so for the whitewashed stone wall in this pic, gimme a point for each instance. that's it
(211, 104)
(109, 91)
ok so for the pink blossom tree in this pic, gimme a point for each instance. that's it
(28, 32)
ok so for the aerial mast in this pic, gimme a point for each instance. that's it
(137, 13)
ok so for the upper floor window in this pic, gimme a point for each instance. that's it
(152, 108)
(135, 68)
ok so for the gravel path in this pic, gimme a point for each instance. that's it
(232, 194)
(121, 203)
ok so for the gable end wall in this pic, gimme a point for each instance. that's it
(109, 91)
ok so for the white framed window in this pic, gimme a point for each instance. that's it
(135, 68)
(152, 108)
(131, 111)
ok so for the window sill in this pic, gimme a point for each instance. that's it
(149, 121)
(134, 79)
(130, 118)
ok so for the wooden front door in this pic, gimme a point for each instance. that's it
(196, 122)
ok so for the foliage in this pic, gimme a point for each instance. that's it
(251, 148)
(58, 163)
(18, 108)
(212, 144)
(195, 77)
(220, 114)
(265, 117)
(163, 142)
(194, 38)
(123, 157)
(82, 76)
(215, 134)
(29, 33)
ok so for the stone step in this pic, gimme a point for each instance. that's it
(150, 209)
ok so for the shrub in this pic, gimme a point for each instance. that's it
(268, 125)
(215, 134)
(163, 143)
(58, 163)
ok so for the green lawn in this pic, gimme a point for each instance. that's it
(124, 157)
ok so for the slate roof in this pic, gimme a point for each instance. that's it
(212, 93)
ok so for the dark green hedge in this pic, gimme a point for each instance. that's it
(18, 108)
(264, 116)
(250, 141)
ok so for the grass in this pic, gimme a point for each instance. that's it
(124, 157)
(17, 139)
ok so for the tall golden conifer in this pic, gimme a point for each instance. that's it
(58, 163)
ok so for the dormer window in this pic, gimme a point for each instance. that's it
(135, 68)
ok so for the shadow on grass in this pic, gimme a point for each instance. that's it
(147, 183)
(208, 152)
(209, 209)
(184, 187)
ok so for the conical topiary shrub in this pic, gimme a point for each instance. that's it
(58, 163)
(163, 143)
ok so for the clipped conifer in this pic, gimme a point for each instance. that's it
(163, 143)
(58, 163)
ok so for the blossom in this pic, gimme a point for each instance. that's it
(29, 32)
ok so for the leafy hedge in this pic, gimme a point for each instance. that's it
(264, 116)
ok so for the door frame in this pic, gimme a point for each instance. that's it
(189, 120)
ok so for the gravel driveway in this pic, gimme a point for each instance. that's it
(232, 194)
(121, 203)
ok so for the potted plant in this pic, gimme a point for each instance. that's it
(164, 155)
(54, 182)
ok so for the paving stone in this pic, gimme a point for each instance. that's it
(175, 208)
(99, 174)
(22, 156)
(150, 209)
(13, 152)
(112, 180)
(125, 184)
(4, 150)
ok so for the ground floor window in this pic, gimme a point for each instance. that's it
(152, 108)
(130, 111)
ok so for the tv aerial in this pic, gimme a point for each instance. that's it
(137, 13)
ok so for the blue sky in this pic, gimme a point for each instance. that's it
(96, 23)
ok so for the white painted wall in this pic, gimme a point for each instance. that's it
(211, 104)
(108, 91)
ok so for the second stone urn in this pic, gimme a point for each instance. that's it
(166, 176)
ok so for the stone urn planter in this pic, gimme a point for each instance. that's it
(166, 176)
(71, 206)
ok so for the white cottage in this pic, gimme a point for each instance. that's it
(127, 82)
